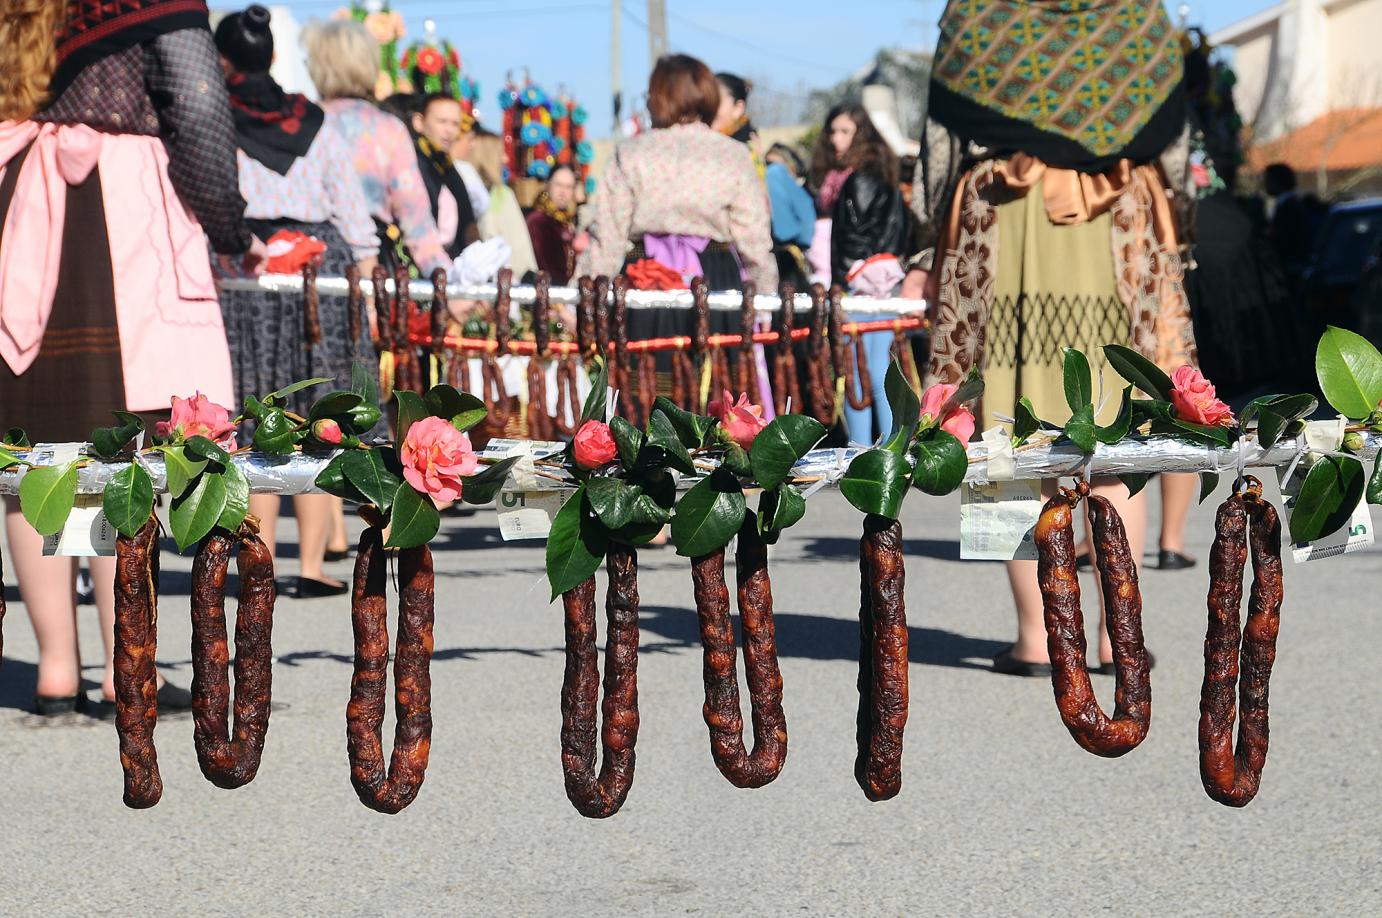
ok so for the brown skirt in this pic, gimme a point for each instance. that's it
(76, 381)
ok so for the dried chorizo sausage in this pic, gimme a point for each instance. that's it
(882, 659)
(136, 681)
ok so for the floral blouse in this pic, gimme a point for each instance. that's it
(386, 164)
(688, 180)
(320, 187)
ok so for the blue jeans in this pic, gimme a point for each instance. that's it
(859, 424)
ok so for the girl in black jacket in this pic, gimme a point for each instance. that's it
(856, 180)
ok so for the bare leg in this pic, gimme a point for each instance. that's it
(48, 588)
(103, 584)
(1178, 491)
(314, 512)
(1133, 511)
(340, 538)
(265, 507)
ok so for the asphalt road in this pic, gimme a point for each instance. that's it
(1000, 813)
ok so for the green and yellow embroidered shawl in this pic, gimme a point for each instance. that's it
(1077, 83)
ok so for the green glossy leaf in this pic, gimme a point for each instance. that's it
(364, 382)
(692, 429)
(1079, 389)
(203, 448)
(612, 499)
(1276, 414)
(1134, 482)
(1217, 436)
(940, 463)
(1327, 498)
(1080, 429)
(195, 513)
(968, 391)
(365, 469)
(237, 499)
(1151, 410)
(462, 409)
(1121, 424)
(627, 439)
(274, 433)
(594, 407)
(361, 419)
(906, 411)
(1349, 370)
(663, 447)
(334, 404)
(484, 486)
(787, 438)
(780, 509)
(574, 546)
(128, 500)
(46, 496)
(253, 409)
(1139, 371)
(1208, 482)
(1374, 489)
(332, 480)
(1025, 421)
(648, 512)
(15, 436)
(281, 395)
(108, 442)
(414, 520)
(708, 515)
(8, 459)
(411, 409)
(876, 482)
(181, 469)
(736, 459)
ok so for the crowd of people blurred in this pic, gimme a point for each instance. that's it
(138, 112)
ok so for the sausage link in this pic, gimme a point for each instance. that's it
(441, 311)
(602, 796)
(392, 791)
(747, 363)
(882, 659)
(225, 762)
(1065, 637)
(136, 681)
(355, 305)
(537, 402)
(722, 715)
(2, 609)
(1230, 776)
(585, 317)
(600, 302)
(311, 306)
(647, 388)
(383, 315)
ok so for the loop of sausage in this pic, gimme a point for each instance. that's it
(355, 304)
(538, 417)
(136, 681)
(602, 796)
(311, 306)
(748, 362)
(392, 791)
(722, 715)
(383, 315)
(1230, 776)
(225, 762)
(647, 387)
(856, 358)
(882, 659)
(1065, 637)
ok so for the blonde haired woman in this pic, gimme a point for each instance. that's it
(343, 60)
(503, 217)
(123, 123)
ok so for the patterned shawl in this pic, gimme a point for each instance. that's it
(94, 29)
(1079, 84)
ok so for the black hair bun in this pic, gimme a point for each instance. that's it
(256, 18)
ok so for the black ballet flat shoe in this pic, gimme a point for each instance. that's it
(56, 705)
(307, 588)
(333, 555)
(1008, 665)
(1168, 560)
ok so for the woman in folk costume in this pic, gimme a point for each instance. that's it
(117, 163)
(1052, 192)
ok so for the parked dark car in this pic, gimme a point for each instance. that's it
(1344, 267)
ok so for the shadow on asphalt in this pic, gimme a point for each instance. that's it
(837, 547)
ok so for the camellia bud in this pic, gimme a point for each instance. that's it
(327, 431)
(1354, 441)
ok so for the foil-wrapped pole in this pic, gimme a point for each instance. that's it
(297, 473)
(525, 294)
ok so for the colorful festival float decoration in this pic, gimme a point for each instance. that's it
(540, 132)
(388, 29)
(432, 65)
(704, 478)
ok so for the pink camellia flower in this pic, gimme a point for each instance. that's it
(197, 416)
(959, 422)
(594, 445)
(1194, 400)
(741, 420)
(327, 431)
(435, 457)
